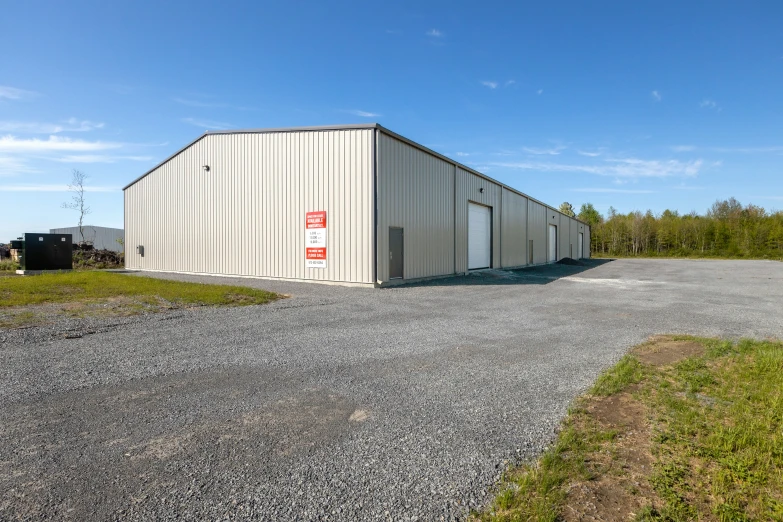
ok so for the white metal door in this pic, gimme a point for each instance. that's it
(479, 236)
(552, 254)
(580, 253)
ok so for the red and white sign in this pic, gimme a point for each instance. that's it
(315, 239)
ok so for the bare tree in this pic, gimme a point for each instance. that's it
(77, 199)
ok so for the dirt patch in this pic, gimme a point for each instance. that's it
(664, 351)
(620, 489)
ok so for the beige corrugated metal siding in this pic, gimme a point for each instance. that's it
(513, 242)
(415, 192)
(246, 215)
(468, 190)
(537, 231)
(580, 228)
(573, 227)
(564, 237)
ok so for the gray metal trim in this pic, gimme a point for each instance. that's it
(355, 126)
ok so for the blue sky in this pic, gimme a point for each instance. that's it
(632, 104)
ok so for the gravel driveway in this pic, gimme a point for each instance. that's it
(337, 403)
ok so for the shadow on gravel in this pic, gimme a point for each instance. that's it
(534, 275)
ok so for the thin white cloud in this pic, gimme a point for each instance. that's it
(491, 85)
(53, 188)
(70, 125)
(199, 104)
(209, 104)
(100, 158)
(614, 191)
(683, 148)
(540, 92)
(53, 144)
(364, 114)
(435, 33)
(207, 124)
(631, 168)
(748, 150)
(12, 93)
(588, 153)
(14, 166)
(554, 151)
(656, 96)
(463, 154)
(509, 83)
(708, 104)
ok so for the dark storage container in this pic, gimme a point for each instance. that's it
(47, 252)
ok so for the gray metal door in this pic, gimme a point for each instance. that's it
(395, 253)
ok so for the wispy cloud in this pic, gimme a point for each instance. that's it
(552, 151)
(683, 148)
(12, 93)
(656, 96)
(589, 154)
(491, 85)
(631, 168)
(435, 33)
(748, 150)
(463, 154)
(12, 166)
(54, 143)
(614, 191)
(53, 188)
(540, 92)
(100, 158)
(509, 83)
(364, 114)
(208, 104)
(70, 125)
(708, 104)
(207, 124)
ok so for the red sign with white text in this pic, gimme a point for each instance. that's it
(315, 239)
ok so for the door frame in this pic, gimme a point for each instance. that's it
(402, 234)
(491, 234)
(548, 244)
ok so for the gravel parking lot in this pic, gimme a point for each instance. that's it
(337, 403)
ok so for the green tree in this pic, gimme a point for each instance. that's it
(567, 209)
(589, 214)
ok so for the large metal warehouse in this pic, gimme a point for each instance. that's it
(351, 204)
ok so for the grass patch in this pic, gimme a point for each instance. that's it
(670, 433)
(26, 300)
(8, 265)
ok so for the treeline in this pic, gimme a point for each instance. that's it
(728, 229)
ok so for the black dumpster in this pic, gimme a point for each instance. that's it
(47, 252)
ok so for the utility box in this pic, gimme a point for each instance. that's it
(47, 252)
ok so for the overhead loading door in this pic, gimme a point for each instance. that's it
(552, 255)
(479, 236)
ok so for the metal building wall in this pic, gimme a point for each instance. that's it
(415, 192)
(246, 215)
(468, 189)
(102, 238)
(563, 236)
(537, 231)
(513, 229)
(573, 226)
